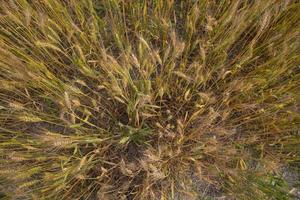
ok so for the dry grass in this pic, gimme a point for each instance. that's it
(118, 99)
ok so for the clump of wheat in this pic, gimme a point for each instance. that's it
(145, 99)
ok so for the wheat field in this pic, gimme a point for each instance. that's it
(149, 100)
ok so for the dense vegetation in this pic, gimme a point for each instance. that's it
(162, 99)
